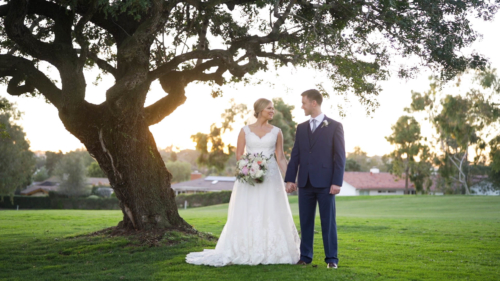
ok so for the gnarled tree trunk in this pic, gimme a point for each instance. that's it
(125, 149)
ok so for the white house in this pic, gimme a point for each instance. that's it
(373, 183)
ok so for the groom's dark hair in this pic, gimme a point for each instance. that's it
(313, 94)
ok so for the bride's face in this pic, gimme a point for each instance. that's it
(268, 112)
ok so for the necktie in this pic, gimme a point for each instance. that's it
(314, 125)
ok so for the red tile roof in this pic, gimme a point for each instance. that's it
(367, 180)
(39, 188)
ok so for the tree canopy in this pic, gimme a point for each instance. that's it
(180, 42)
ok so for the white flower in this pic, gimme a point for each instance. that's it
(264, 162)
(255, 166)
(242, 163)
(253, 172)
(258, 158)
(259, 174)
(325, 123)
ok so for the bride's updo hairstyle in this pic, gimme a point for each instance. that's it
(260, 105)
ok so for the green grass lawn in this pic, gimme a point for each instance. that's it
(391, 237)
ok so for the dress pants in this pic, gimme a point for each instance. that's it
(308, 197)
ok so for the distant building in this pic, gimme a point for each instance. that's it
(208, 184)
(373, 183)
(41, 188)
(376, 183)
(52, 184)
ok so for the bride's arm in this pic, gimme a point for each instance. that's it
(280, 154)
(240, 146)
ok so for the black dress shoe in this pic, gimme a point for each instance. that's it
(331, 265)
(301, 262)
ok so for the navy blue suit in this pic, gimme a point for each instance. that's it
(321, 157)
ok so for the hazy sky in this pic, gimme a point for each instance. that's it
(45, 131)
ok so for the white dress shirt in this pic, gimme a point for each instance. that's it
(319, 119)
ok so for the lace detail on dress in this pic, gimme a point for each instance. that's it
(266, 144)
(259, 228)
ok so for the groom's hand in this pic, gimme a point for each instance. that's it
(290, 187)
(334, 189)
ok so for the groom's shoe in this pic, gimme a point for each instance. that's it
(301, 262)
(331, 265)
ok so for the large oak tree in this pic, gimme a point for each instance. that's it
(213, 41)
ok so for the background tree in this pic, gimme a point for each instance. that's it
(406, 139)
(173, 156)
(219, 153)
(17, 162)
(94, 171)
(71, 170)
(462, 123)
(364, 162)
(181, 171)
(218, 42)
(352, 166)
(41, 174)
(283, 119)
(494, 173)
(52, 158)
(360, 158)
(421, 172)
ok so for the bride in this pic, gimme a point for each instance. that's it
(259, 227)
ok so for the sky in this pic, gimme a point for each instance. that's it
(45, 131)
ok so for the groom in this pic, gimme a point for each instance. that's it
(319, 151)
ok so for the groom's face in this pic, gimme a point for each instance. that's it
(307, 105)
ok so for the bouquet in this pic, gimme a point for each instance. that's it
(252, 168)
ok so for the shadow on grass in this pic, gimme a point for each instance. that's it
(105, 258)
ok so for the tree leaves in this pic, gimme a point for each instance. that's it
(17, 162)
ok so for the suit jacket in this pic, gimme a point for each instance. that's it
(320, 155)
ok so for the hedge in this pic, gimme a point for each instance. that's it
(29, 202)
(55, 202)
(203, 199)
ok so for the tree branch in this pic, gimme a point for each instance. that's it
(14, 89)
(133, 54)
(4, 10)
(120, 26)
(79, 34)
(55, 52)
(174, 84)
(223, 56)
(164, 107)
(102, 64)
(22, 69)
(282, 18)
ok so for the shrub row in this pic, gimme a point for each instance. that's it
(203, 199)
(56, 202)
(28, 202)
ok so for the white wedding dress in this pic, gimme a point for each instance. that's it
(259, 227)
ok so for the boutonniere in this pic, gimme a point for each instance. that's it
(325, 123)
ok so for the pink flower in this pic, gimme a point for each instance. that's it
(244, 170)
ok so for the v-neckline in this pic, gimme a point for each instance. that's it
(258, 135)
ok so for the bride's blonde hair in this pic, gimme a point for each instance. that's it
(260, 105)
